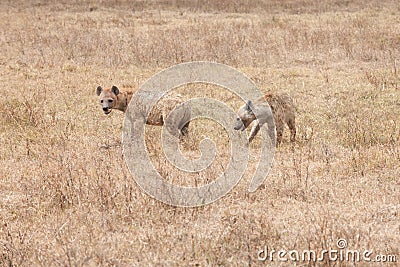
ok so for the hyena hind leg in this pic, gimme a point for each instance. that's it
(292, 126)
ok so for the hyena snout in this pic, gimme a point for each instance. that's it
(239, 125)
(107, 105)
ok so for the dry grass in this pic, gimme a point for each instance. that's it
(66, 196)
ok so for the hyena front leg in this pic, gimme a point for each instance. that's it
(185, 129)
(279, 133)
(254, 130)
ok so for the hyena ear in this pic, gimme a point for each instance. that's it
(249, 105)
(99, 90)
(115, 90)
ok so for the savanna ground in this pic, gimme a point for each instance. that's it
(67, 197)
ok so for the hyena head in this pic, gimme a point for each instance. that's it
(108, 98)
(245, 116)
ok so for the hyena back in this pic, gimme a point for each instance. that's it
(283, 111)
(113, 98)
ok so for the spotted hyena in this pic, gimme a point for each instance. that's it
(283, 111)
(113, 98)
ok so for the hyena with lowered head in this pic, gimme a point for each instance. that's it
(283, 111)
(113, 98)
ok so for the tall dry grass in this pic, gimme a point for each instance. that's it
(66, 196)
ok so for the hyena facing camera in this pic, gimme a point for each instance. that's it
(283, 111)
